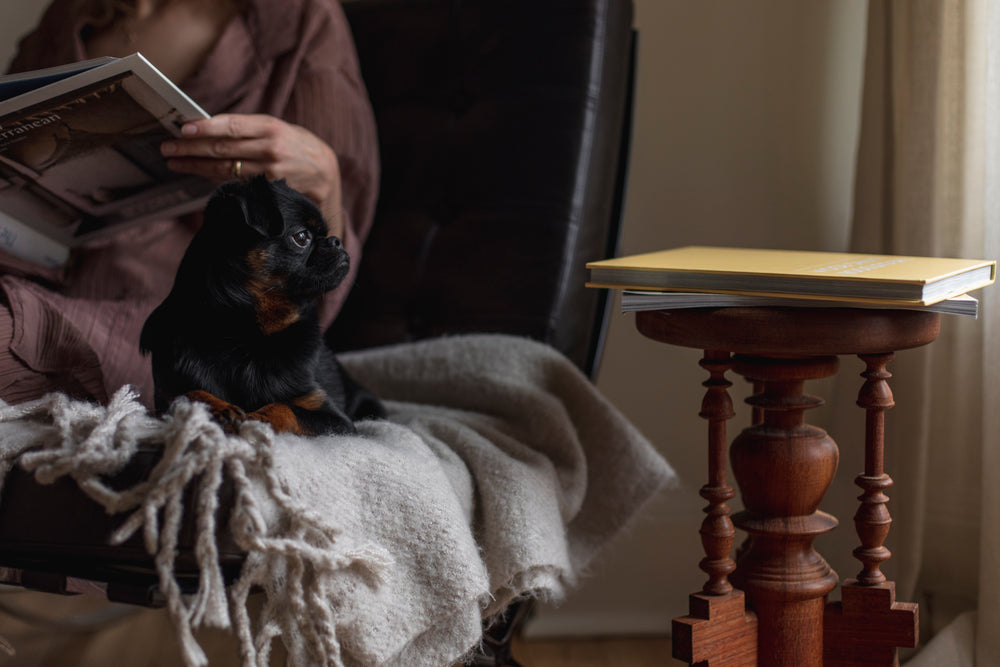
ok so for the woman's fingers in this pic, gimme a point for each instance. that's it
(239, 146)
(222, 147)
(216, 169)
(233, 126)
(278, 150)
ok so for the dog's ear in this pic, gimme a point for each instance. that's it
(260, 223)
(227, 206)
(264, 210)
(230, 205)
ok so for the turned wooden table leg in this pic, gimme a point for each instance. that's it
(718, 632)
(868, 625)
(717, 531)
(756, 417)
(783, 468)
(872, 519)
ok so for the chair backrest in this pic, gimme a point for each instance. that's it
(504, 133)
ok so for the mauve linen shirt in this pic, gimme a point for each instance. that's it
(293, 59)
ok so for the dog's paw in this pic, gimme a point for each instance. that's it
(230, 417)
(281, 417)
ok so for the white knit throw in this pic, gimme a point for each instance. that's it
(500, 473)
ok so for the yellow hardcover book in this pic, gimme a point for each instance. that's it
(914, 280)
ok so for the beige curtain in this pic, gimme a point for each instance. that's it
(927, 184)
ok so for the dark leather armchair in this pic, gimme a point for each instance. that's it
(504, 133)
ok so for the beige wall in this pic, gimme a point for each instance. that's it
(745, 132)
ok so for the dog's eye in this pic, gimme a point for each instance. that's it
(302, 238)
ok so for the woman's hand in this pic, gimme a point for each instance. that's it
(240, 145)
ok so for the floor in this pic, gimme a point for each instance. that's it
(47, 642)
(616, 652)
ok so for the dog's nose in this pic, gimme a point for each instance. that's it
(334, 242)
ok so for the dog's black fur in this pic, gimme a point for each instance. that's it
(239, 330)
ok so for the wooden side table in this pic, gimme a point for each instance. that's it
(767, 605)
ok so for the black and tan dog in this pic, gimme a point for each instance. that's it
(239, 329)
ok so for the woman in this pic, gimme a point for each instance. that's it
(281, 80)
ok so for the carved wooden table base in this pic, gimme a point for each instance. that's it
(783, 467)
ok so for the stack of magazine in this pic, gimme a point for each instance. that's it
(80, 154)
(713, 277)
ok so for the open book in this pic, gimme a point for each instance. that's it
(80, 154)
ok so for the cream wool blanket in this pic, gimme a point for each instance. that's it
(500, 473)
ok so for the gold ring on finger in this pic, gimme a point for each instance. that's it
(237, 168)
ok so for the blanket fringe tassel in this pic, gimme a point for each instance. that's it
(89, 441)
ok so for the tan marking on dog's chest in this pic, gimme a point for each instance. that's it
(274, 311)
